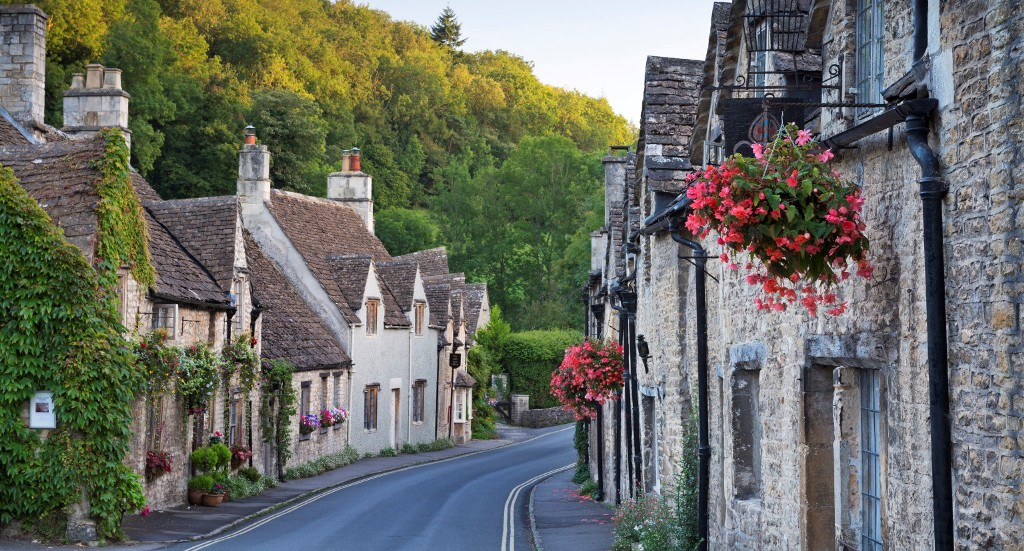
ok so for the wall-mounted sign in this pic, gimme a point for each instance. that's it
(41, 413)
(455, 360)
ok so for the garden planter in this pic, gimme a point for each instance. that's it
(195, 497)
(212, 500)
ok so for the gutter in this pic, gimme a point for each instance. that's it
(220, 306)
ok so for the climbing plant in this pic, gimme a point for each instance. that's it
(60, 332)
(123, 235)
(277, 406)
(159, 361)
(197, 377)
(240, 359)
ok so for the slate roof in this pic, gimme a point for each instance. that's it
(439, 298)
(671, 92)
(291, 331)
(60, 176)
(475, 293)
(10, 134)
(401, 279)
(322, 230)
(351, 273)
(433, 262)
(206, 227)
(179, 277)
(464, 379)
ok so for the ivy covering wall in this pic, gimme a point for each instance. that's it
(60, 331)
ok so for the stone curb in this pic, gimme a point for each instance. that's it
(311, 493)
(538, 544)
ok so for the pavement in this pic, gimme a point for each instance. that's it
(563, 519)
(559, 517)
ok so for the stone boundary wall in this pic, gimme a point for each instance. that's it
(523, 416)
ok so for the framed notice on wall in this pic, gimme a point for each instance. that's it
(41, 414)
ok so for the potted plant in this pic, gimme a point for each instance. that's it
(590, 374)
(197, 486)
(216, 438)
(158, 462)
(239, 455)
(221, 456)
(203, 459)
(795, 218)
(215, 496)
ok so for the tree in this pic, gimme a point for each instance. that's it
(447, 31)
(406, 230)
(293, 128)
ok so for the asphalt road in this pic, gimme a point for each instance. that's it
(474, 502)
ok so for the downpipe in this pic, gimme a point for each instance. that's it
(933, 189)
(700, 258)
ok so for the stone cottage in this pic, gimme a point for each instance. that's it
(894, 425)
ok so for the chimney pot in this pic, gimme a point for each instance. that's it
(94, 75)
(112, 78)
(250, 135)
(346, 161)
(355, 162)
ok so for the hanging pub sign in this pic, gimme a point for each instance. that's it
(455, 360)
(41, 413)
(746, 121)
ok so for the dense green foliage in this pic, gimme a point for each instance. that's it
(505, 164)
(60, 332)
(322, 464)
(406, 230)
(277, 406)
(531, 357)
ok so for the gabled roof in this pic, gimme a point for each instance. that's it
(322, 229)
(433, 262)
(291, 331)
(179, 277)
(464, 379)
(475, 293)
(439, 298)
(62, 177)
(351, 273)
(206, 228)
(401, 279)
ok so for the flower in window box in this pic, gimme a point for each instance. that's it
(308, 423)
(332, 416)
(791, 213)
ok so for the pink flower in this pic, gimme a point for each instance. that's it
(803, 136)
(825, 156)
(758, 150)
(145, 511)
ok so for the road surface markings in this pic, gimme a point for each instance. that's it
(324, 494)
(508, 521)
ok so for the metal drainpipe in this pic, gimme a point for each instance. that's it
(932, 190)
(634, 400)
(618, 415)
(704, 449)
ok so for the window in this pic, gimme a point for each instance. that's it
(870, 464)
(337, 394)
(869, 56)
(323, 395)
(232, 422)
(746, 433)
(122, 294)
(371, 316)
(165, 316)
(460, 406)
(370, 407)
(418, 393)
(758, 77)
(420, 312)
(304, 397)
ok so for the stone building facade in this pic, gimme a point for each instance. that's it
(822, 430)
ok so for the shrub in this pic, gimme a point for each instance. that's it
(203, 459)
(409, 448)
(441, 444)
(322, 464)
(244, 486)
(222, 455)
(531, 357)
(589, 487)
(647, 521)
(388, 452)
(250, 473)
(201, 483)
(425, 447)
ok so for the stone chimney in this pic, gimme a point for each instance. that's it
(23, 64)
(253, 173)
(96, 101)
(353, 187)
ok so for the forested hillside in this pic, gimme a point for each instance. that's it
(467, 150)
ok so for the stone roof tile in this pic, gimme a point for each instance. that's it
(206, 227)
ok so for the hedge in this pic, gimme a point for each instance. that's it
(531, 357)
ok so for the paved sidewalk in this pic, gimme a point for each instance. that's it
(185, 523)
(562, 519)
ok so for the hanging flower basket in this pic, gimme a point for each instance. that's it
(590, 374)
(158, 463)
(795, 217)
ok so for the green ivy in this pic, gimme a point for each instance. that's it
(123, 234)
(197, 377)
(60, 331)
(277, 394)
(239, 358)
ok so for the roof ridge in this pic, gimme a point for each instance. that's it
(183, 248)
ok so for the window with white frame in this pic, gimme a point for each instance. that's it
(460, 405)
(869, 56)
(759, 67)
(232, 435)
(870, 460)
(165, 316)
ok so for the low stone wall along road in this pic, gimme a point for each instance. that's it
(471, 502)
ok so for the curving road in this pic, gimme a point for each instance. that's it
(472, 502)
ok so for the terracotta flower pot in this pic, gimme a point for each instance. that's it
(212, 500)
(195, 497)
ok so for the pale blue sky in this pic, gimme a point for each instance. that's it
(598, 47)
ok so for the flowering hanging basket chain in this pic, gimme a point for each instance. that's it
(590, 374)
(792, 213)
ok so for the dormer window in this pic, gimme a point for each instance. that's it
(420, 313)
(372, 307)
(165, 316)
